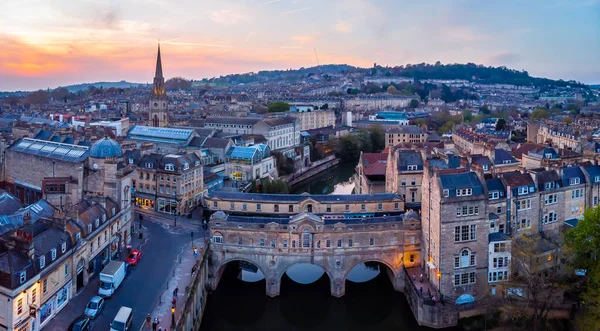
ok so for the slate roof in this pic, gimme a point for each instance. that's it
(295, 198)
(348, 221)
(525, 149)
(8, 203)
(495, 184)
(500, 156)
(594, 172)
(216, 143)
(452, 182)
(232, 120)
(277, 121)
(497, 236)
(481, 160)
(547, 176)
(516, 179)
(409, 157)
(38, 210)
(572, 172)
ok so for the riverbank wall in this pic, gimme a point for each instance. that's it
(328, 163)
(197, 295)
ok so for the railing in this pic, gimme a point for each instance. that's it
(192, 312)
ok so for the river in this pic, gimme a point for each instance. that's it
(371, 305)
(335, 180)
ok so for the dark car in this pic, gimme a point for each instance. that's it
(81, 323)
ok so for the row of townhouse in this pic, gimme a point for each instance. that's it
(49, 256)
(470, 219)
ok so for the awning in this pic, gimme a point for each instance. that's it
(572, 222)
(464, 299)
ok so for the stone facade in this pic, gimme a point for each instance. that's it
(336, 246)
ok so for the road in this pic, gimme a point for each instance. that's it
(145, 283)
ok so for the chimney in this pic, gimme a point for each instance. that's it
(26, 219)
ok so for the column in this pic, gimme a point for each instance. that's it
(338, 287)
(273, 286)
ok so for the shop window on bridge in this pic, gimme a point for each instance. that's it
(276, 208)
(291, 208)
(217, 238)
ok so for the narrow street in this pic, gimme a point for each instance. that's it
(161, 246)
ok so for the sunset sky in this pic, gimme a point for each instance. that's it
(48, 43)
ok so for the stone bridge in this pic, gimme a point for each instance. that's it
(337, 246)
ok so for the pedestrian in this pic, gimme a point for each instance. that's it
(155, 324)
(195, 253)
(174, 302)
(421, 278)
(148, 321)
(176, 290)
(414, 277)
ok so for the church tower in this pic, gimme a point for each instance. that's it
(158, 114)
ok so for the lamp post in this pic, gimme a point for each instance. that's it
(173, 316)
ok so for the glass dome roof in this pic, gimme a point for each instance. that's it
(105, 148)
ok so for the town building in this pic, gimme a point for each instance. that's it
(279, 132)
(404, 134)
(169, 183)
(370, 173)
(404, 175)
(250, 163)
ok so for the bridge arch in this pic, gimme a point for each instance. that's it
(223, 265)
(394, 271)
(296, 279)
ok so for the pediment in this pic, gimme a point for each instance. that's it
(306, 217)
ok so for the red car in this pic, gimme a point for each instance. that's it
(134, 257)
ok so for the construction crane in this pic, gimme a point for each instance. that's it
(317, 57)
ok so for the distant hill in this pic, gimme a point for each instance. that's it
(469, 72)
(85, 86)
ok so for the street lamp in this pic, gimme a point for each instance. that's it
(173, 316)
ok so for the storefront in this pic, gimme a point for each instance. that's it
(167, 206)
(62, 297)
(114, 247)
(24, 325)
(98, 262)
(46, 312)
(144, 201)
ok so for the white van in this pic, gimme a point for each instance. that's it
(122, 321)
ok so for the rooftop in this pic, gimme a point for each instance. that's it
(51, 149)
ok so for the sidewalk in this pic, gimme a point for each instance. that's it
(181, 278)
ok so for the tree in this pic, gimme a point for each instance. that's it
(60, 94)
(446, 127)
(377, 138)
(467, 116)
(501, 124)
(178, 83)
(325, 106)
(348, 148)
(38, 97)
(364, 139)
(484, 110)
(266, 185)
(392, 89)
(414, 103)
(536, 283)
(540, 114)
(567, 120)
(278, 107)
(422, 123)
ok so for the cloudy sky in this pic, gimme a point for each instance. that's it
(48, 43)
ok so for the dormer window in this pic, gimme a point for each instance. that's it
(494, 195)
(463, 192)
(523, 190)
(485, 167)
(23, 277)
(197, 163)
(186, 166)
(548, 155)
(446, 193)
(574, 181)
(597, 179)
(170, 167)
(549, 185)
(42, 262)
(506, 162)
(149, 165)
(89, 226)
(78, 236)
(97, 222)
(63, 247)
(130, 161)
(411, 167)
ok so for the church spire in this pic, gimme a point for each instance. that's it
(159, 81)
(158, 73)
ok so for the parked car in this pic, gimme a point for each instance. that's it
(134, 257)
(94, 307)
(81, 323)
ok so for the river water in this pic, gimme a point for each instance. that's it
(370, 305)
(336, 180)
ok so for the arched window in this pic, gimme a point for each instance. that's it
(306, 238)
(464, 258)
